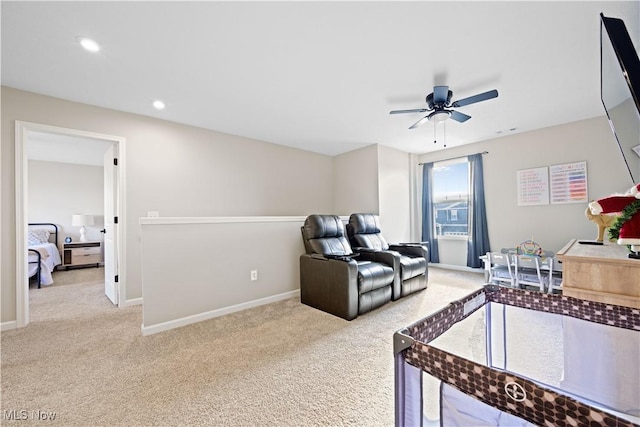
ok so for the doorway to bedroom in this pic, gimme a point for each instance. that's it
(69, 180)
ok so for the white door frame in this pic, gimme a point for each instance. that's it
(22, 281)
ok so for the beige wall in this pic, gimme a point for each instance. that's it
(355, 182)
(174, 169)
(550, 225)
(58, 190)
(186, 279)
(395, 172)
(377, 179)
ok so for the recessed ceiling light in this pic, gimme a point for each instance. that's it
(89, 44)
(158, 105)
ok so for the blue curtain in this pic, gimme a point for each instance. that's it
(478, 243)
(427, 213)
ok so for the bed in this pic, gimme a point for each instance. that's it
(43, 252)
(550, 360)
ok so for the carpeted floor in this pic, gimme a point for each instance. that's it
(75, 276)
(283, 364)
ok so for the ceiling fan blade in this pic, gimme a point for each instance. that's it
(459, 117)
(417, 110)
(476, 98)
(419, 122)
(440, 94)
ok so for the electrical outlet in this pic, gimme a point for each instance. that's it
(254, 275)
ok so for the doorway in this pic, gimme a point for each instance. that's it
(114, 260)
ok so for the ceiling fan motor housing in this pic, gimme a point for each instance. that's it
(433, 105)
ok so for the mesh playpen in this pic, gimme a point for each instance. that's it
(510, 357)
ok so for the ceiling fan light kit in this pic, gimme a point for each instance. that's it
(439, 116)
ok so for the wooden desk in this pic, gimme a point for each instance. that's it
(600, 273)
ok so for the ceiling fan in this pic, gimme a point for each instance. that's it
(439, 103)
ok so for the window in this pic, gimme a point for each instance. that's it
(453, 206)
(451, 198)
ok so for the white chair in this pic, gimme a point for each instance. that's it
(499, 268)
(554, 280)
(528, 272)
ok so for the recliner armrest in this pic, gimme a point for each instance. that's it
(411, 249)
(368, 254)
(342, 257)
(327, 257)
(329, 284)
(364, 251)
(390, 258)
(384, 257)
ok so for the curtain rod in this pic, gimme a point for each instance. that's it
(452, 158)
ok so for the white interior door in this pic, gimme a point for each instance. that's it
(110, 224)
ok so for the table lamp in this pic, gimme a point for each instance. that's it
(80, 220)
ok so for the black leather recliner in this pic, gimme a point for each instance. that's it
(363, 230)
(334, 279)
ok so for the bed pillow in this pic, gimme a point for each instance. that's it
(38, 236)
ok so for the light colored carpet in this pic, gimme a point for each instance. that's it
(283, 364)
(78, 275)
(72, 276)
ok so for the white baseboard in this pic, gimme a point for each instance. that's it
(184, 321)
(5, 326)
(131, 302)
(457, 267)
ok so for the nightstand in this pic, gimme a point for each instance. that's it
(82, 254)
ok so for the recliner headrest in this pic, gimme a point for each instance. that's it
(322, 226)
(324, 234)
(364, 223)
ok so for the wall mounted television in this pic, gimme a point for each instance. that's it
(620, 90)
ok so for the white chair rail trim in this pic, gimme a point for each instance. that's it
(222, 219)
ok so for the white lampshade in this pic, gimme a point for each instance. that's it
(80, 220)
(439, 116)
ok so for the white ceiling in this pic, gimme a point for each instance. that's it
(320, 76)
